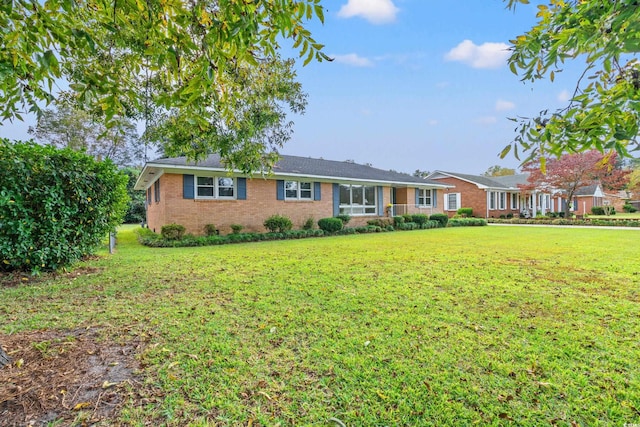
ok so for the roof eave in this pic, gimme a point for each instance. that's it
(144, 182)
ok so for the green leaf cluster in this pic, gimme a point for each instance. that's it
(278, 223)
(206, 64)
(55, 205)
(330, 225)
(604, 110)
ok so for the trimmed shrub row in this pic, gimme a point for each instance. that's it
(467, 222)
(149, 238)
(562, 221)
(172, 235)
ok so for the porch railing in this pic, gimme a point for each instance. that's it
(400, 209)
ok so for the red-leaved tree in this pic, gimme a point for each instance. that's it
(573, 171)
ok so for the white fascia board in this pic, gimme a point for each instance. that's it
(507, 189)
(147, 178)
(299, 176)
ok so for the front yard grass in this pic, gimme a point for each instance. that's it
(461, 326)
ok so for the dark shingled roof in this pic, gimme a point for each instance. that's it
(306, 166)
(588, 190)
(507, 181)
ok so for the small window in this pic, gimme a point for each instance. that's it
(424, 197)
(514, 200)
(296, 190)
(225, 187)
(503, 201)
(156, 191)
(453, 201)
(208, 187)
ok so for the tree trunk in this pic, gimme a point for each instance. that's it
(4, 358)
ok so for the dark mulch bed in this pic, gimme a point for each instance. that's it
(76, 377)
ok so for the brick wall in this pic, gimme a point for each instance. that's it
(473, 197)
(260, 204)
(406, 198)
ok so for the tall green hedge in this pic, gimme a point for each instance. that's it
(55, 205)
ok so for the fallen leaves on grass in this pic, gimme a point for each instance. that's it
(79, 377)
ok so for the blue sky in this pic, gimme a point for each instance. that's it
(415, 84)
(419, 84)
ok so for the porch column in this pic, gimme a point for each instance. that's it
(534, 204)
(487, 204)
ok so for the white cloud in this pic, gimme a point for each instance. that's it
(487, 120)
(374, 11)
(502, 105)
(353, 59)
(486, 55)
(432, 122)
(564, 96)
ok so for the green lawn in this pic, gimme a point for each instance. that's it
(617, 215)
(482, 325)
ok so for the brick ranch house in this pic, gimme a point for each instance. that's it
(197, 194)
(493, 197)
(496, 196)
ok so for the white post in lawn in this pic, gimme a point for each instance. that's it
(112, 242)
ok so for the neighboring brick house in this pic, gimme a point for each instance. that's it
(493, 197)
(587, 197)
(197, 194)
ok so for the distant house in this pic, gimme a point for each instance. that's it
(493, 197)
(197, 194)
(587, 197)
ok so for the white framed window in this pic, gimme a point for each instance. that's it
(452, 201)
(298, 190)
(497, 200)
(514, 200)
(357, 199)
(212, 187)
(424, 197)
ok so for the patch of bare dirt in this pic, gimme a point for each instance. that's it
(66, 378)
(16, 278)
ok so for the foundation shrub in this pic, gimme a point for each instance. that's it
(278, 223)
(172, 231)
(442, 219)
(330, 225)
(344, 218)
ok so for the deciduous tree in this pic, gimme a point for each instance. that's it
(634, 183)
(67, 127)
(194, 60)
(497, 170)
(573, 171)
(604, 110)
